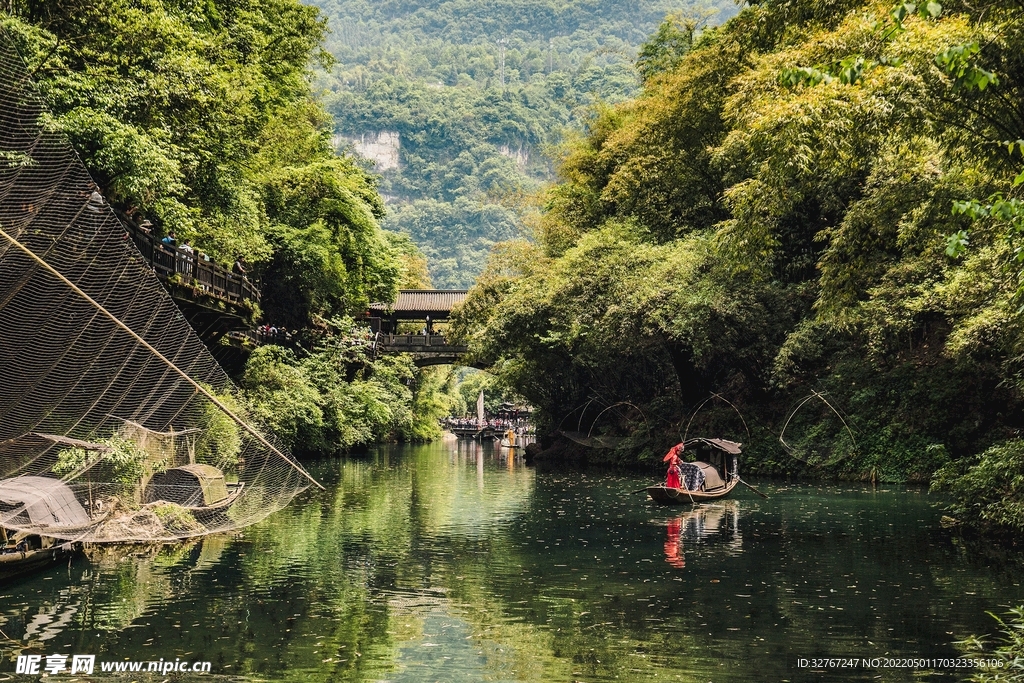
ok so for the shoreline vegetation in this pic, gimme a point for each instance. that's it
(803, 234)
(802, 231)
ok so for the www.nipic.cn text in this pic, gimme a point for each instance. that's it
(86, 664)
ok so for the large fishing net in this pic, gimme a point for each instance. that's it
(116, 423)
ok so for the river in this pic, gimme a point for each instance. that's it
(446, 562)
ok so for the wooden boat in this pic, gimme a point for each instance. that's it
(667, 496)
(719, 473)
(30, 501)
(234, 491)
(475, 433)
(195, 487)
(508, 439)
(15, 561)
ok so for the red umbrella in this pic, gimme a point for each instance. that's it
(673, 452)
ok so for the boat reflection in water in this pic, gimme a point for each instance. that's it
(110, 591)
(717, 523)
(465, 451)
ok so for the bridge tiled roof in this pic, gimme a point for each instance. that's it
(423, 301)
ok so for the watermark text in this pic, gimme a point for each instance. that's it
(58, 664)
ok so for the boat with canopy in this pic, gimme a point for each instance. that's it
(712, 475)
(32, 503)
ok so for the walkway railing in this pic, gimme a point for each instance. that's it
(414, 340)
(213, 279)
(425, 349)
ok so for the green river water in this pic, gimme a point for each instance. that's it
(446, 562)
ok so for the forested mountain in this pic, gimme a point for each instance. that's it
(818, 201)
(471, 97)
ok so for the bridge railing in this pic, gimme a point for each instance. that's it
(412, 340)
(211, 277)
(425, 349)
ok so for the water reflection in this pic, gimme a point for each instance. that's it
(455, 562)
(705, 522)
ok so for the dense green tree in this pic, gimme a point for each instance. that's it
(199, 116)
(774, 216)
(329, 255)
(415, 272)
(666, 48)
(337, 396)
(457, 235)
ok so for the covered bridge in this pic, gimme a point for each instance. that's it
(424, 306)
(420, 305)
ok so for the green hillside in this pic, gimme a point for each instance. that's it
(477, 93)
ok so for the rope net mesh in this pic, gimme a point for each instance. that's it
(89, 415)
(594, 440)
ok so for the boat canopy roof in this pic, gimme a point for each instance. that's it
(712, 479)
(730, 447)
(40, 500)
(193, 485)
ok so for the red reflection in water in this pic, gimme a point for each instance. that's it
(674, 544)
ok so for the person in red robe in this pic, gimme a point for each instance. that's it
(674, 476)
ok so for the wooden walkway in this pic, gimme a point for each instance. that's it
(178, 267)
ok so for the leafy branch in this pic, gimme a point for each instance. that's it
(848, 71)
(1007, 649)
(956, 61)
(902, 10)
(1009, 211)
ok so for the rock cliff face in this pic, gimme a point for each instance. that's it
(381, 148)
(520, 155)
